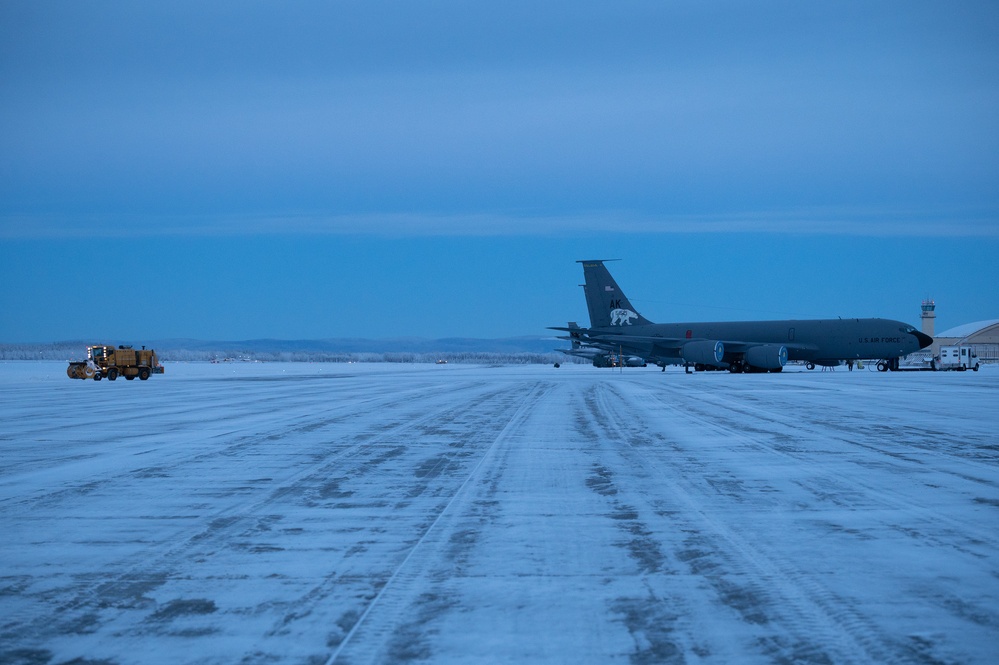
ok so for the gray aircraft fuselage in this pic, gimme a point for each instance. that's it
(822, 341)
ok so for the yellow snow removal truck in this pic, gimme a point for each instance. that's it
(107, 361)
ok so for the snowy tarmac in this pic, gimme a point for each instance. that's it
(380, 513)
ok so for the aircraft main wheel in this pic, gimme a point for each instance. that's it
(882, 366)
(809, 366)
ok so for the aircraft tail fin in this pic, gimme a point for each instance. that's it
(606, 301)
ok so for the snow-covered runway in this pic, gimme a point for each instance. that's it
(310, 513)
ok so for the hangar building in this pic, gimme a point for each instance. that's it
(982, 336)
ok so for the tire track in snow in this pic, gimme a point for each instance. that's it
(122, 459)
(735, 421)
(649, 565)
(434, 476)
(404, 594)
(870, 496)
(653, 619)
(812, 624)
(152, 566)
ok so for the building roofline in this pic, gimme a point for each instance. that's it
(967, 330)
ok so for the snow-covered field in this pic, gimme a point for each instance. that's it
(310, 513)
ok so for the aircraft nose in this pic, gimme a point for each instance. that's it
(923, 339)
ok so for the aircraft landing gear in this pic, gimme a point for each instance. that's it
(890, 364)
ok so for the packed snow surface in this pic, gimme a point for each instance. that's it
(310, 513)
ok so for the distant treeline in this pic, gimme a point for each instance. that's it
(77, 351)
(56, 351)
(477, 358)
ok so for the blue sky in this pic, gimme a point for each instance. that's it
(308, 170)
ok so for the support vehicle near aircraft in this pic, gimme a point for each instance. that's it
(958, 357)
(738, 346)
(107, 361)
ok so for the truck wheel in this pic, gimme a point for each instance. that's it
(98, 376)
(143, 374)
(112, 374)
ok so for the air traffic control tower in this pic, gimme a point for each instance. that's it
(929, 317)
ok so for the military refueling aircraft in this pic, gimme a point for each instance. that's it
(616, 327)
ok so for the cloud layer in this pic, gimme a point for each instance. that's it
(456, 119)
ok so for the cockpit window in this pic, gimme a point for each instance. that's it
(908, 329)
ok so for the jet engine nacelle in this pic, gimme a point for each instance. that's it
(766, 356)
(704, 352)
